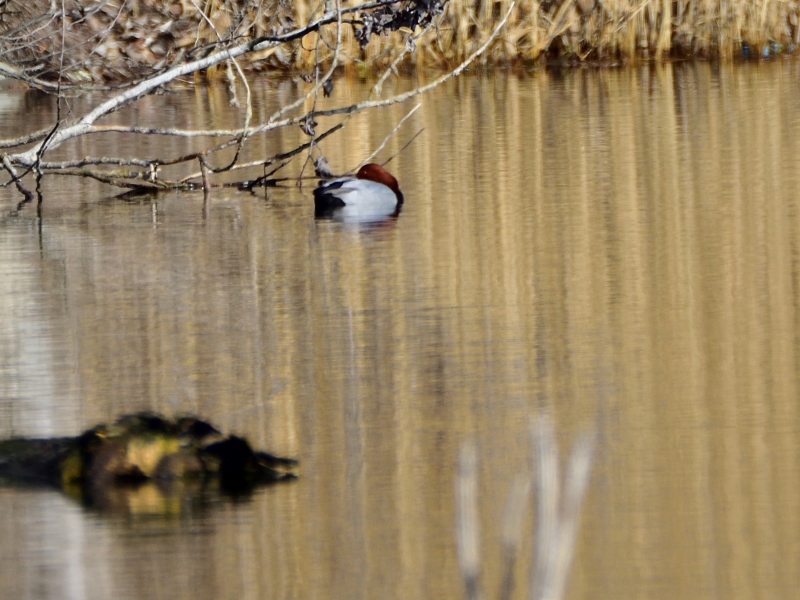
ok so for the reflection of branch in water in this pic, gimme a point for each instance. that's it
(27, 195)
(556, 517)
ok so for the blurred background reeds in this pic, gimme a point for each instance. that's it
(124, 39)
(557, 510)
(590, 30)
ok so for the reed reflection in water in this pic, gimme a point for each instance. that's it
(616, 247)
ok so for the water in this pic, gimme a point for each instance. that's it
(618, 248)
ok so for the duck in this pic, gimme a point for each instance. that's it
(372, 193)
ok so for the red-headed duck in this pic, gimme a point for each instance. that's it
(373, 192)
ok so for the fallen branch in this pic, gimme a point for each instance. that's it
(148, 174)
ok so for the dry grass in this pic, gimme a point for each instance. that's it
(591, 30)
(124, 40)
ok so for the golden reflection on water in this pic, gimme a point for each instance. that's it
(618, 247)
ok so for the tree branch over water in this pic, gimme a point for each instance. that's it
(414, 17)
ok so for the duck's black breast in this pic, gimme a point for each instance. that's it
(325, 198)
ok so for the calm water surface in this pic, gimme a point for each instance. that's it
(619, 248)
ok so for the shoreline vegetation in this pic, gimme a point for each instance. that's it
(114, 41)
(134, 48)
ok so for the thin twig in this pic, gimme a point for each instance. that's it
(277, 157)
(32, 157)
(318, 84)
(403, 147)
(242, 135)
(116, 102)
(206, 180)
(386, 139)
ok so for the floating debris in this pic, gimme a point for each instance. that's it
(143, 462)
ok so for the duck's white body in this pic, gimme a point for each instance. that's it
(372, 194)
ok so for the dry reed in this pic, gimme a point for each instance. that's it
(116, 41)
(592, 30)
(583, 30)
(556, 515)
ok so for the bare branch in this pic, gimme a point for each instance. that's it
(25, 139)
(145, 172)
(27, 194)
(83, 125)
(403, 147)
(272, 160)
(386, 139)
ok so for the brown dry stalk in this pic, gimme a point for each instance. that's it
(557, 503)
(592, 29)
(98, 51)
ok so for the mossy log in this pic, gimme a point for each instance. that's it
(177, 456)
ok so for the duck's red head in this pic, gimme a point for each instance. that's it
(375, 172)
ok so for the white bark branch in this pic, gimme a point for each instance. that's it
(45, 140)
